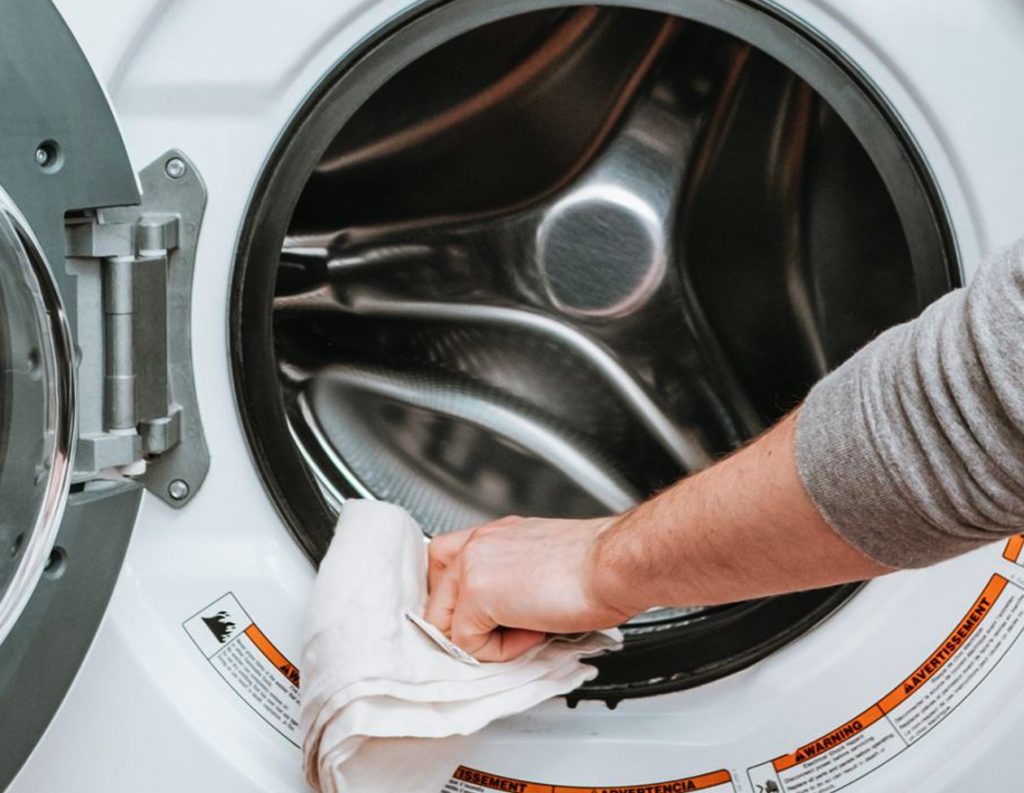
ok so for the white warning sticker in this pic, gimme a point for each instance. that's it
(912, 709)
(249, 662)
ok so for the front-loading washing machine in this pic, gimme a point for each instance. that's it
(475, 258)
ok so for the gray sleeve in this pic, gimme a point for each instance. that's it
(913, 450)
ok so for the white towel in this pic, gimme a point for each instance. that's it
(384, 708)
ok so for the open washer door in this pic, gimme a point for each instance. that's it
(81, 424)
(60, 151)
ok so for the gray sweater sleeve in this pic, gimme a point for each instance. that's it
(913, 450)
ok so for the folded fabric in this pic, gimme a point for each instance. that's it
(384, 708)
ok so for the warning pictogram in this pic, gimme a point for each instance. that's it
(220, 626)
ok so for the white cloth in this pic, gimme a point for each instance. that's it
(384, 708)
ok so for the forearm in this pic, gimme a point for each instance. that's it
(744, 528)
(910, 453)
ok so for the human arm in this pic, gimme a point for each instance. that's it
(743, 528)
(911, 452)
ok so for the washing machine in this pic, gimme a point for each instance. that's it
(477, 258)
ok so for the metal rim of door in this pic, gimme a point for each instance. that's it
(37, 411)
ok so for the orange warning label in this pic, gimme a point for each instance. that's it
(826, 742)
(1012, 552)
(469, 780)
(945, 651)
(272, 654)
(924, 698)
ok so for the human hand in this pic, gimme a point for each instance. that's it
(496, 590)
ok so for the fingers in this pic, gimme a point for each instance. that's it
(445, 547)
(470, 630)
(442, 552)
(444, 593)
(463, 614)
(513, 642)
(485, 640)
(498, 644)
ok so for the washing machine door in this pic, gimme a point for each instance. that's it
(72, 273)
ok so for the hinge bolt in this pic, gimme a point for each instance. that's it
(178, 489)
(175, 167)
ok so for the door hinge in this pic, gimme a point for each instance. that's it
(138, 413)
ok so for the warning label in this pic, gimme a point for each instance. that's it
(469, 780)
(908, 712)
(249, 662)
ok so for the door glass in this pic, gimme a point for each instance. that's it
(36, 414)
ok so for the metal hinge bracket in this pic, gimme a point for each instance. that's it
(138, 413)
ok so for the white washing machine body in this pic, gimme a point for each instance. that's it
(912, 684)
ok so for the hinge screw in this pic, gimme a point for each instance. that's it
(48, 156)
(178, 489)
(175, 167)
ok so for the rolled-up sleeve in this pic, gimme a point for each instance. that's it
(913, 450)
